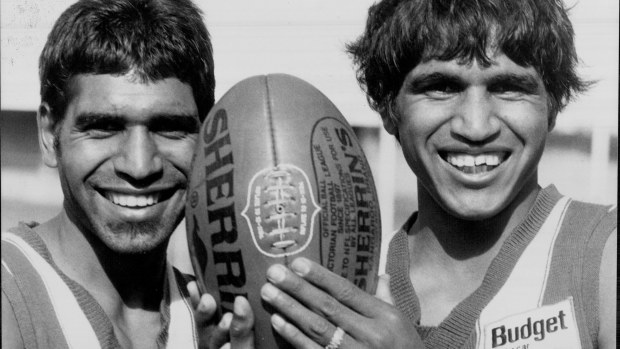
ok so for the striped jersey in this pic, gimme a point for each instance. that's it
(54, 311)
(540, 291)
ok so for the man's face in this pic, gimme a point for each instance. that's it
(125, 155)
(473, 135)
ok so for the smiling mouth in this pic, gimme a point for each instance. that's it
(136, 200)
(474, 164)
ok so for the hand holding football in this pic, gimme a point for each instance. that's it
(278, 173)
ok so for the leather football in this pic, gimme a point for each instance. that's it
(278, 173)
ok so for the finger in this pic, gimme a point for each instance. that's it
(225, 321)
(316, 327)
(219, 335)
(292, 334)
(241, 327)
(214, 336)
(205, 310)
(383, 289)
(340, 288)
(194, 294)
(311, 296)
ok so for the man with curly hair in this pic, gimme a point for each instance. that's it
(471, 90)
(124, 87)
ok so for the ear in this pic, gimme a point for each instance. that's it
(47, 135)
(552, 118)
(389, 122)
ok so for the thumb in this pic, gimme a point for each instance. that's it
(242, 325)
(383, 289)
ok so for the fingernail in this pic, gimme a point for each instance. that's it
(276, 273)
(268, 292)
(300, 266)
(277, 321)
(238, 306)
(206, 303)
(202, 307)
(192, 287)
(226, 320)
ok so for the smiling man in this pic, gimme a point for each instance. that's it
(124, 87)
(471, 90)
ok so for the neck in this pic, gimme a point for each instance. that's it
(440, 234)
(138, 278)
(135, 280)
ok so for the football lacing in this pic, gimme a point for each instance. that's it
(281, 193)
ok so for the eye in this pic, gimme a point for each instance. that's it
(445, 87)
(441, 90)
(507, 88)
(436, 86)
(514, 87)
(175, 128)
(173, 134)
(101, 129)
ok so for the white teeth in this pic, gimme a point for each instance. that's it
(492, 160)
(461, 160)
(133, 200)
(141, 201)
(469, 161)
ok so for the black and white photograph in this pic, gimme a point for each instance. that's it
(309, 174)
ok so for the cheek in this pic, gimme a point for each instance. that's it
(73, 175)
(528, 119)
(180, 156)
(532, 130)
(416, 132)
(413, 148)
(78, 162)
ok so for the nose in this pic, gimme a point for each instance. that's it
(138, 158)
(475, 118)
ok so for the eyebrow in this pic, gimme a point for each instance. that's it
(84, 120)
(183, 121)
(526, 81)
(187, 122)
(419, 83)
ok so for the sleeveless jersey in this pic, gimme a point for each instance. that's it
(540, 291)
(54, 311)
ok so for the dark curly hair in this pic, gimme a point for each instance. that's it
(400, 34)
(154, 39)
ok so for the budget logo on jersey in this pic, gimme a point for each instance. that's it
(548, 327)
(280, 210)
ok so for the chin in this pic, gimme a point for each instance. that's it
(474, 208)
(474, 215)
(136, 238)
